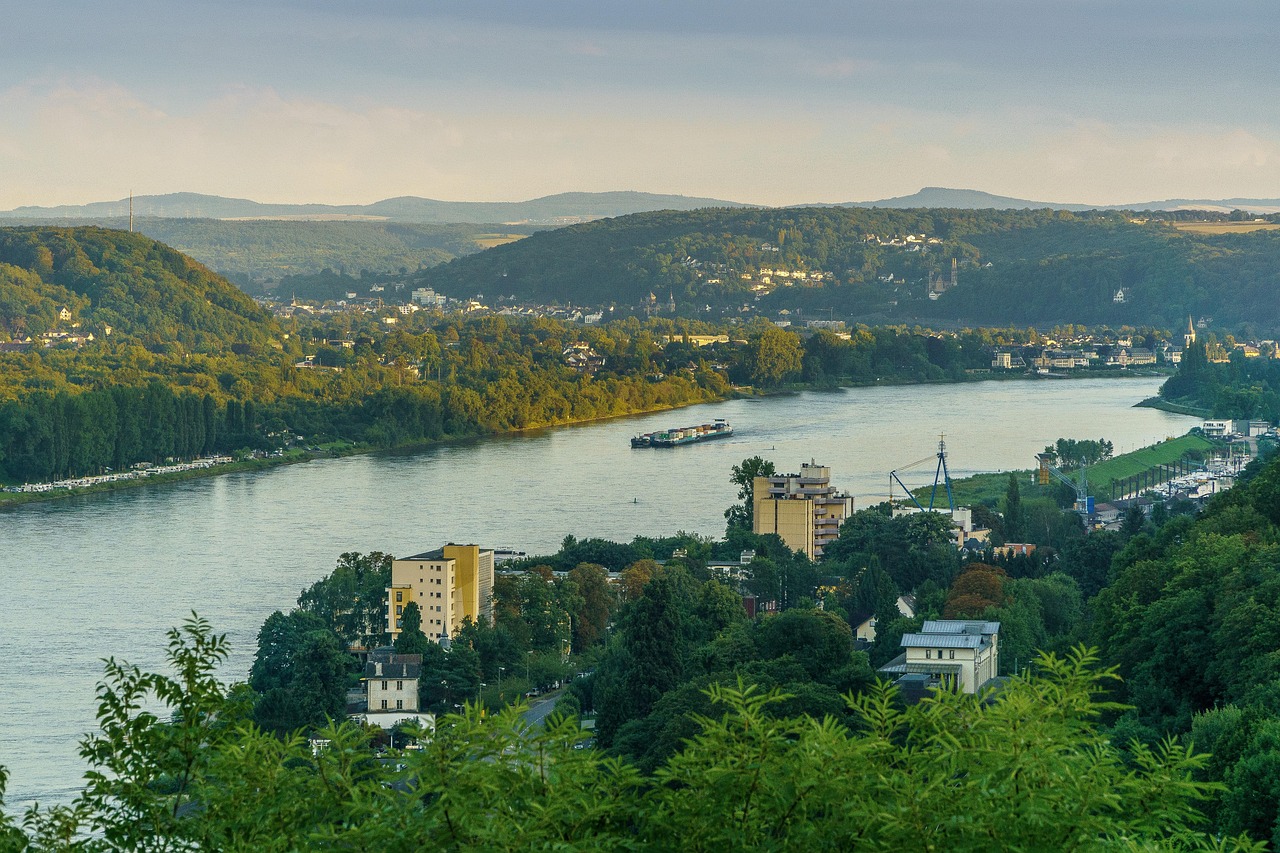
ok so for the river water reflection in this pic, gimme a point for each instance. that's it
(106, 575)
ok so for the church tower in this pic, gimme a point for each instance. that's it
(1190, 337)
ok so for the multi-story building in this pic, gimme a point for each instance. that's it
(804, 509)
(961, 654)
(391, 681)
(448, 584)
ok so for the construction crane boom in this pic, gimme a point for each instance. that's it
(940, 475)
(1084, 503)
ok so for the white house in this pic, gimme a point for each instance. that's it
(391, 681)
(961, 653)
(866, 630)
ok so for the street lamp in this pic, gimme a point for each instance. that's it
(501, 670)
(527, 656)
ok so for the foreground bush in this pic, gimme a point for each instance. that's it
(1027, 770)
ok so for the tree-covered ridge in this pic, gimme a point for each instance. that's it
(140, 288)
(1037, 266)
(1029, 770)
(1231, 386)
(259, 253)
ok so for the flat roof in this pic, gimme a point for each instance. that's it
(438, 553)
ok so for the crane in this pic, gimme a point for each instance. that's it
(1084, 503)
(940, 476)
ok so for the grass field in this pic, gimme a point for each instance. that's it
(989, 488)
(1225, 227)
(1102, 475)
(488, 241)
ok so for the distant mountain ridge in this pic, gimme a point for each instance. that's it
(559, 209)
(960, 199)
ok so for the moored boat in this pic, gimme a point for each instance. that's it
(720, 428)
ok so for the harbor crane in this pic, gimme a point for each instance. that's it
(940, 477)
(1084, 503)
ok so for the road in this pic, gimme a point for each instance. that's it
(541, 707)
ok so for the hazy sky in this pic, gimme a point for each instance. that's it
(775, 103)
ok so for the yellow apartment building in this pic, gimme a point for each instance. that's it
(803, 509)
(448, 584)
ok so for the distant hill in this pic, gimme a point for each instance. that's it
(1221, 205)
(141, 288)
(877, 265)
(942, 197)
(552, 210)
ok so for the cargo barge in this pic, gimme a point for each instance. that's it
(685, 435)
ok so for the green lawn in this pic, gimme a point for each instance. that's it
(1102, 475)
(989, 488)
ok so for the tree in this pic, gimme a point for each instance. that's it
(773, 355)
(592, 616)
(301, 672)
(740, 515)
(411, 640)
(352, 599)
(978, 587)
(1014, 521)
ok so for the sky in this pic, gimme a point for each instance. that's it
(292, 101)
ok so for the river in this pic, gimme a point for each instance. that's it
(106, 575)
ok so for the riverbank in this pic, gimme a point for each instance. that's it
(1164, 405)
(344, 448)
(332, 450)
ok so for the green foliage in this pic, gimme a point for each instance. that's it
(911, 548)
(1014, 519)
(773, 356)
(301, 672)
(136, 285)
(352, 600)
(411, 640)
(740, 514)
(747, 778)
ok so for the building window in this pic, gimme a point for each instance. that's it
(399, 609)
(384, 685)
(400, 684)
(399, 595)
(953, 654)
(399, 704)
(384, 704)
(928, 654)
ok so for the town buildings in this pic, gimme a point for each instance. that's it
(449, 584)
(804, 509)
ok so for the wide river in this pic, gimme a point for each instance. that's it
(88, 578)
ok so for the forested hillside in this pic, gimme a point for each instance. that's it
(1021, 267)
(181, 363)
(256, 254)
(138, 287)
